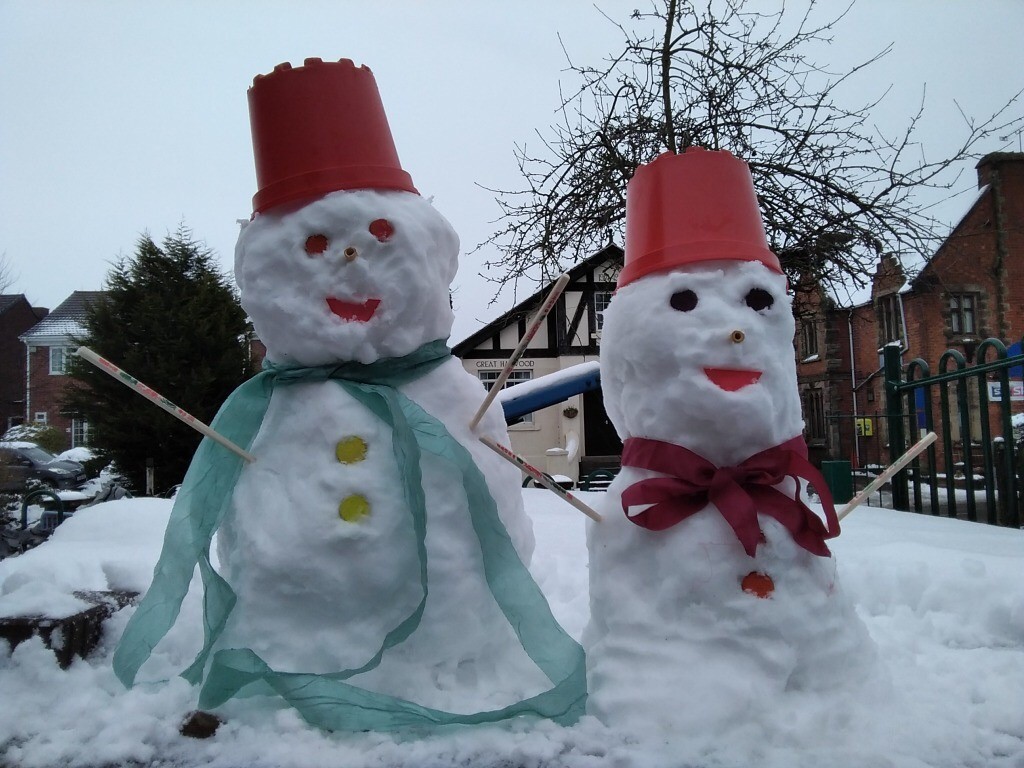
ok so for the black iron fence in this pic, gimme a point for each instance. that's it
(976, 464)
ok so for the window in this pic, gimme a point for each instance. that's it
(814, 414)
(59, 360)
(39, 417)
(601, 301)
(891, 318)
(962, 313)
(516, 377)
(808, 339)
(79, 432)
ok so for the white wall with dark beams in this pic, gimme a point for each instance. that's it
(555, 438)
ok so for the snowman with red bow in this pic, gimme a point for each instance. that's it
(713, 589)
(373, 558)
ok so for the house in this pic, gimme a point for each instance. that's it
(49, 344)
(971, 289)
(17, 315)
(576, 436)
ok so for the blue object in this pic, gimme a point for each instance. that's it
(919, 408)
(1017, 372)
(539, 395)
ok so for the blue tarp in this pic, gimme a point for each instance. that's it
(539, 396)
(1017, 372)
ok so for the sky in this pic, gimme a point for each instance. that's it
(120, 118)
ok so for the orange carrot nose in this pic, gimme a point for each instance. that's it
(759, 584)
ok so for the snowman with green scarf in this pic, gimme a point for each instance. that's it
(372, 559)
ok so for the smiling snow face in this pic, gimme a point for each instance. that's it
(702, 357)
(358, 276)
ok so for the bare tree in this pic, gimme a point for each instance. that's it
(834, 191)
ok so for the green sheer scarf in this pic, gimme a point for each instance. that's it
(326, 700)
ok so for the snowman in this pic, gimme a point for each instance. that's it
(372, 558)
(713, 591)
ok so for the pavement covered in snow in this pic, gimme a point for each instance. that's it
(942, 600)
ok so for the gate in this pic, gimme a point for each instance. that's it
(969, 408)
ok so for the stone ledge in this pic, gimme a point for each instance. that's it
(71, 636)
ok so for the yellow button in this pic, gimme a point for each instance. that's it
(353, 508)
(350, 449)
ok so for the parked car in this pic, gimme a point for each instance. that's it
(22, 462)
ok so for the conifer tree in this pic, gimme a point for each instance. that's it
(171, 319)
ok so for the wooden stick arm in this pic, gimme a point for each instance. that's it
(545, 308)
(883, 478)
(539, 476)
(156, 398)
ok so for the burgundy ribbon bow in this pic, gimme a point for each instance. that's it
(739, 492)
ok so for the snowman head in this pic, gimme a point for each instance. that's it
(696, 347)
(702, 357)
(356, 275)
(343, 260)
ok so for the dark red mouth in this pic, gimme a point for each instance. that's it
(350, 310)
(731, 379)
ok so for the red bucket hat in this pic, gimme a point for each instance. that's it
(319, 128)
(693, 207)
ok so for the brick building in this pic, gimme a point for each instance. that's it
(41, 349)
(971, 289)
(17, 315)
(49, 344)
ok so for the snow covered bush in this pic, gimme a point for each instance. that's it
(46, 437)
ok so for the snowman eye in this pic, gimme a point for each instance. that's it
(684, 301)
(759, 299)
(382, 229)
(316, 244)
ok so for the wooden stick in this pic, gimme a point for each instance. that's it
(896, 466)
(541, 478)
(492, 393)
(155, 397)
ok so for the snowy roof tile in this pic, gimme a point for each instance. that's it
(10, 300)
(610, 252)
(66, 320)
(7, 301)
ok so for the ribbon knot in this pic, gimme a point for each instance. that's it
(690, 482)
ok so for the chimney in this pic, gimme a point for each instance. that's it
(991, 163)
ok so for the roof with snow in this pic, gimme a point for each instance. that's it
(7, 301)
(610, 252)
(850, 296)
(66, 320)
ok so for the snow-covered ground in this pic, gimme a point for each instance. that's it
(942, 599)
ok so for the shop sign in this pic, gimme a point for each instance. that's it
(995, 390)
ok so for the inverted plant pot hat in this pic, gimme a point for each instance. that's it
(693, 207)
(317, 129)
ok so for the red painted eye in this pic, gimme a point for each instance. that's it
(316, 244)
(382, 229)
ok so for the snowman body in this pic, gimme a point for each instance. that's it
(318, 542)
(674, 642)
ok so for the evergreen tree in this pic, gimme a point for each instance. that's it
(172, 320)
